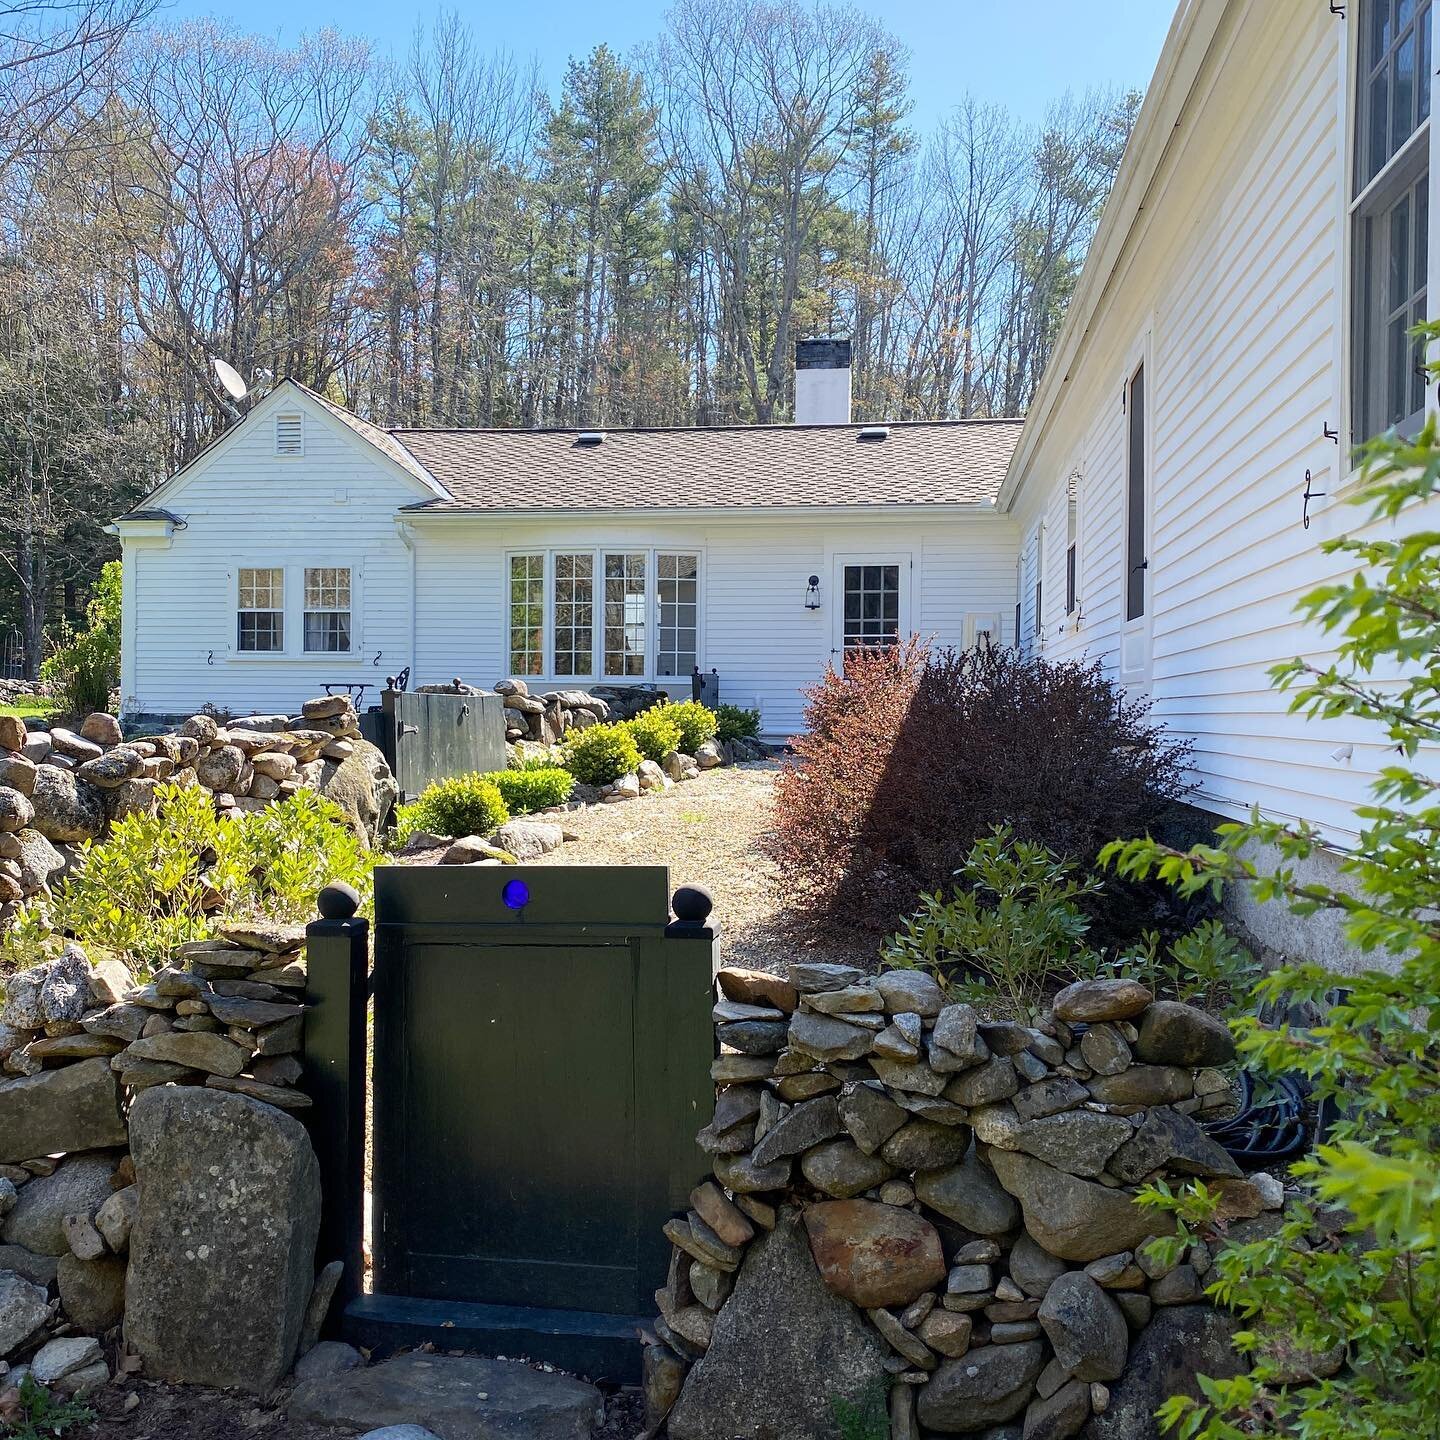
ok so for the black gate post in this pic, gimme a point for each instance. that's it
(337, 993)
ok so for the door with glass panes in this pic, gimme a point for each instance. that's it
(873, 602)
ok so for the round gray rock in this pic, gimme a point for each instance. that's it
(66, 809)
(80, 1183)
(984, 1387)
(1086, 1328)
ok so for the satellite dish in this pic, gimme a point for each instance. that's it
(230, 379)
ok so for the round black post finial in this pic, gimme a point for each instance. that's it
(692, 904)
(338, 901)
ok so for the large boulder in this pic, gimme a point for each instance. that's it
(79, 1184)
(66, 809)
(459, 1397)
(205, 1159)
(1073, 1218)
(970, 1195)
(24, 1308)
(783, 1350)
(874, 1255)
(92, 1292)
(1085, 1326)
(1172, 1033)
(363, 787)
(985, 1387)
(1179, 1344)
(60, 1111)
(38, 859)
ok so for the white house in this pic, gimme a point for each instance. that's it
(308, 548)
(1239, 326)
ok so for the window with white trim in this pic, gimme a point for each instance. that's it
(290, 434)
(327, 609)
(575, 614)
(1390, 216)
(625, 609)
(1072, 544)
(527, 614)
(678, 593)
(260, 621)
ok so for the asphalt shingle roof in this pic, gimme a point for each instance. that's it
(726, 467)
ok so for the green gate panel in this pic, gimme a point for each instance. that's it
(540, 1071)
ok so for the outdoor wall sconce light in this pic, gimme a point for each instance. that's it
(812, 593)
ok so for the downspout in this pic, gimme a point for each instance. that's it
(406, 532)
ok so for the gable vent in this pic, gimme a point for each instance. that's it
(874, 432)
(290, 434)
(590, 437)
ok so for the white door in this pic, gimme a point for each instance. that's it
(873, 602)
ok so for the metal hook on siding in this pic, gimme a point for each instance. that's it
(1306, 498)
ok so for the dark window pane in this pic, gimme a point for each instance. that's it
(1424, 52)
(1135, 501)
(1378, 150)
(1422, 236)
(1397, 378)
(1403, 98)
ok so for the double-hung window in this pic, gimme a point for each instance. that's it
(260, 627)
(1390, 215)
(327, 609)
(605, 614)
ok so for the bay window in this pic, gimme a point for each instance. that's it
(621, 614)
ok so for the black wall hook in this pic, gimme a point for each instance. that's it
(1306, 498)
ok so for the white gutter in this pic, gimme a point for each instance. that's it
(407, 538)
(1192, 32)
(918, 511)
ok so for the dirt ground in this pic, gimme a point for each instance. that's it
(191, 1412)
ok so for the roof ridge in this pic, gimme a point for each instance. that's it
(781, 427)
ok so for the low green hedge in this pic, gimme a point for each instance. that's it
(601, 754)
(656, 734)
(732, 722)
(697, 723)
(462, 805)
(536, 787)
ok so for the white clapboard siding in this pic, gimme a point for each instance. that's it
(244, 506)
(1233, 275)
(755, 629)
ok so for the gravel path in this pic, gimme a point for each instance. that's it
(708, 832)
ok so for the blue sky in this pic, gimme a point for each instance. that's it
(1021, 54)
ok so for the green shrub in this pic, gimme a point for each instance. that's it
(1363, 1285)
(84, 667)
(732, 722)
(601, 754)
(537, 787)
(157, 879)
(1205, 966)
(656, 734)
(696, 722)
(459, 805)
(31, 1412)
(1011, 931)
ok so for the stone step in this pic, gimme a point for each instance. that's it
(455, 1397)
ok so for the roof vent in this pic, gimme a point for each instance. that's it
(289, 434)
(874, 432)
(590, 437)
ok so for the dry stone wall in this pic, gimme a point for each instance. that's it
(62, 787)
(137, 1121)
(910, 1199)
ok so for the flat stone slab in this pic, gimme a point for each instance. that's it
(456, 1397)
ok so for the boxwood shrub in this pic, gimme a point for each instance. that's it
(732, 722)
(655, 733)
(600, 754)
(696, 723)
(461, 805)
(533, 788)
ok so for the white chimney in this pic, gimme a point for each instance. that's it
(822, 382)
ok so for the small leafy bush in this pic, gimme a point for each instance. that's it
(656, 734)
(1205, 966)
(155, 881)
(601, 754)
(1363, 1287)
(30, 1412)
(696, 723)
(458, 805)
(536, 787)
(911, 756)
(732, 722)
(84, 667)
(1010, 934)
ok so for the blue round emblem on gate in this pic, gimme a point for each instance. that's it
(516, 894)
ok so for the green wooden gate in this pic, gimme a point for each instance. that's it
(542, 1048)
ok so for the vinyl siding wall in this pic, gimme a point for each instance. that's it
(243, 506)
(755, 629)
(1234, 278)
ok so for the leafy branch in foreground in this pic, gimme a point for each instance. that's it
(1342, 1302)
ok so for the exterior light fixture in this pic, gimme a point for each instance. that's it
(812, 593)
(516, 894)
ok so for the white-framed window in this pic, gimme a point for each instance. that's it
(574, 592)
(1136, 496)
(678, 595)
(1039, 621)
(327, 609)
(527, 614)
(290, 433)
(1072, 543)
(624, 613)
(260, 610)
(1390, 215)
